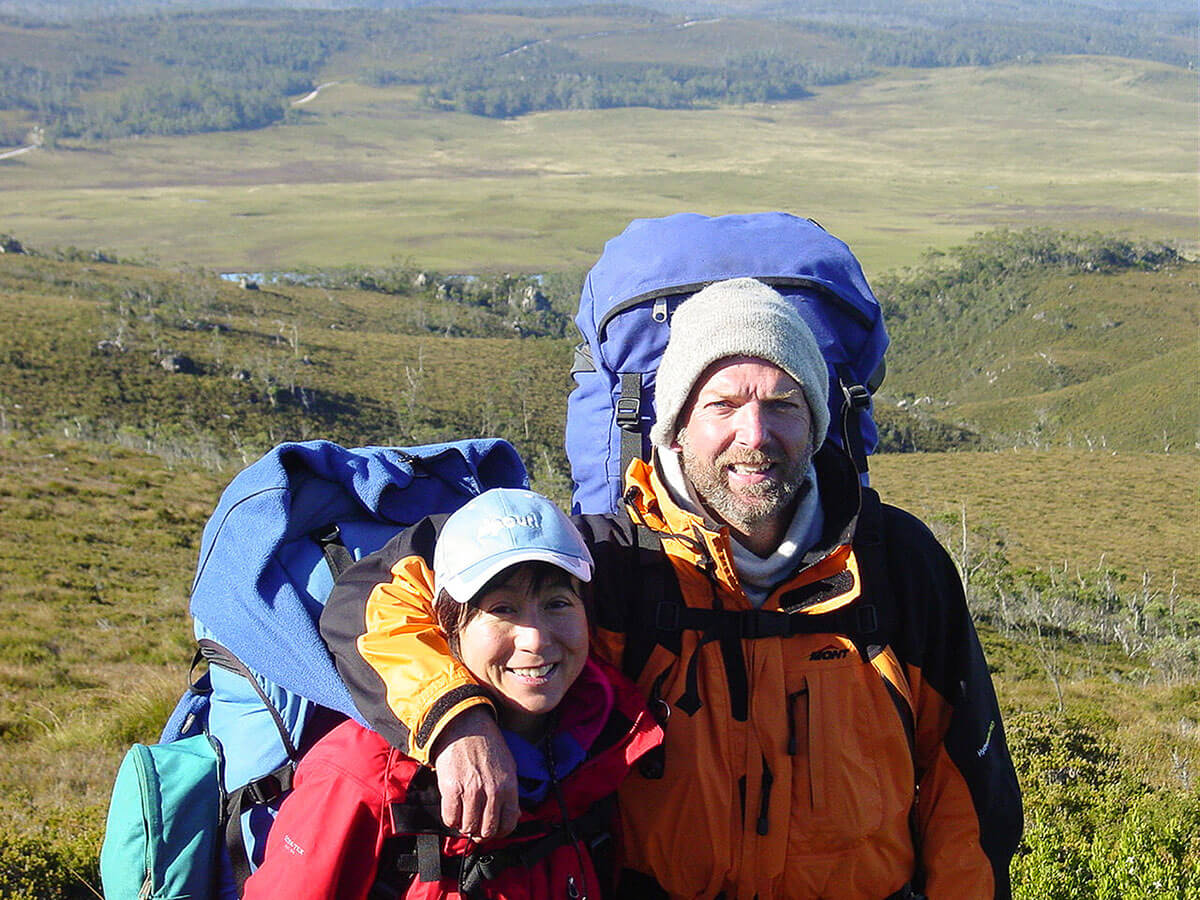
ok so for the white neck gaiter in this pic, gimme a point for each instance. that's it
(758, 575)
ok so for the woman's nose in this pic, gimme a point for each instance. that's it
(531, 635)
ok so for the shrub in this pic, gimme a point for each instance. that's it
(60, 862)
(1093, 830)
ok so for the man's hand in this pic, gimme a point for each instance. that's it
(476, 775)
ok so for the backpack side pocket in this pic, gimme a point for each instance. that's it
(163, 829)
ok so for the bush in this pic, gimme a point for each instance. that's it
(1093, 830)
(61, 862)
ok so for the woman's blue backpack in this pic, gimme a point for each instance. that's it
(625, 316)
(189, 815)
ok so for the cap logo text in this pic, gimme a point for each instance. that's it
(494, 526)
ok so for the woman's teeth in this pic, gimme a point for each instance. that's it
(535, 672)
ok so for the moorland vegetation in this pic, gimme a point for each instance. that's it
(130, 393)
(169, 73)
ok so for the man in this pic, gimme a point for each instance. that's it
(831, 729)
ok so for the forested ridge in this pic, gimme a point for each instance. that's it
(152, 71)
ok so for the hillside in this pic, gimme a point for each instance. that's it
(1043, 339)
(201, 370)
(1080, 565)
(993, 346)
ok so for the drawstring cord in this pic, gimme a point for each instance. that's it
(573, 890)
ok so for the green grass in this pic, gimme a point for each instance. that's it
(895, 164)
(101, 546)
(1109, 362)
(1134, 512)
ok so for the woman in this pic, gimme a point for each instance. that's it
(507, 574)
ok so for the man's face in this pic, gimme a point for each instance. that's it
(745, 443)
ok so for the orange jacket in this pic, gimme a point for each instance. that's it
(844, 763)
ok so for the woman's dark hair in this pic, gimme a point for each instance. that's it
(453, 616)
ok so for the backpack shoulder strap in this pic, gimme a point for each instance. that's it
(871, 549)
(262, 790)
(337, 556)
(648, 566)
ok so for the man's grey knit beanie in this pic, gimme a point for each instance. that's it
(739, 317)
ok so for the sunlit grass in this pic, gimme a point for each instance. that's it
(896, 164)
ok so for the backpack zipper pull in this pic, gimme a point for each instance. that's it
(763, 824)
(793, 745)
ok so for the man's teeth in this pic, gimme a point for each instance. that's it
(535, 672)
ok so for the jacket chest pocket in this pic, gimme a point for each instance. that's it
(852, 768)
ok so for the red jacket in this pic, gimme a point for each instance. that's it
(353, 792)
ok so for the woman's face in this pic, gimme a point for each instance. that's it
(527, 644)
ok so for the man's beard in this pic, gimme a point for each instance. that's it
(752, 505)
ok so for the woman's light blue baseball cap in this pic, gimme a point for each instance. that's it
(501, 528)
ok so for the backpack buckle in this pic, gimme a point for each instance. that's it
(629, 413)
(857, 396)
(667, 617)
(266, 789)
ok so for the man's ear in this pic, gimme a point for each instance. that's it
(675, 445)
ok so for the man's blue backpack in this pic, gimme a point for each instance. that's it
(653, 266)
(190, 815)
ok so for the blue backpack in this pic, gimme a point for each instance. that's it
(654, 265)
(190, 815)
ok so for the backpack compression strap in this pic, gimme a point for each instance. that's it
(416, 849)
(629, 418)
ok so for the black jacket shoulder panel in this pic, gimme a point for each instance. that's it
(344, 620)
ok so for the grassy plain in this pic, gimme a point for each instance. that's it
(909, 160)
(1073, 509)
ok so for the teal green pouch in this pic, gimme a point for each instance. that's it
(163, 829)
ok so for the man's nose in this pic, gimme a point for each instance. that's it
(750, 425)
